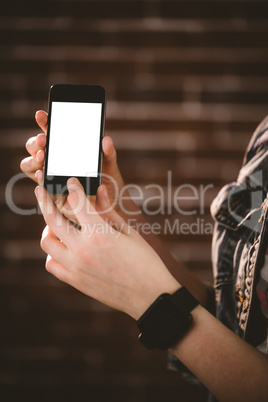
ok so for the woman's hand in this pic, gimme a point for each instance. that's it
(107, 259)
(125, 207)
(33, 167)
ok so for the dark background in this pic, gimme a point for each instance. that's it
(186, 84)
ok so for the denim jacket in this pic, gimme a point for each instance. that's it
(240, 242)
(239, 245)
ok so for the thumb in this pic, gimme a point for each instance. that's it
(110, 167)
(110, 157)
(108, 213)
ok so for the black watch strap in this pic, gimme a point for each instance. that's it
(185, 300)
(167, 319)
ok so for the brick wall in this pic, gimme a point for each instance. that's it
(186, 83)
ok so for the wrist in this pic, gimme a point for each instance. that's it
(167, 319)
(144, 301)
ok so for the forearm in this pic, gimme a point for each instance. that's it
(230, 368)
(123, 272)
(184, 276)
(180, 272)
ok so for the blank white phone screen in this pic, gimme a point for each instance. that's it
(74, 139)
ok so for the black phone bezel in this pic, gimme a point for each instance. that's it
(57, 185)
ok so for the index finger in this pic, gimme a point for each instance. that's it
(55, 220)
(35, 144)
(83, 210)
(41, 120)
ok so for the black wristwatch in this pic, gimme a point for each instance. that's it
(167, 319)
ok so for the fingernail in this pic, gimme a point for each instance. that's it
(71, 184)
(36, 191)
(38, 156)
(38, 176)
(72, 180)
(105, 192)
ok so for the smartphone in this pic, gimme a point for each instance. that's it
(75, 130)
